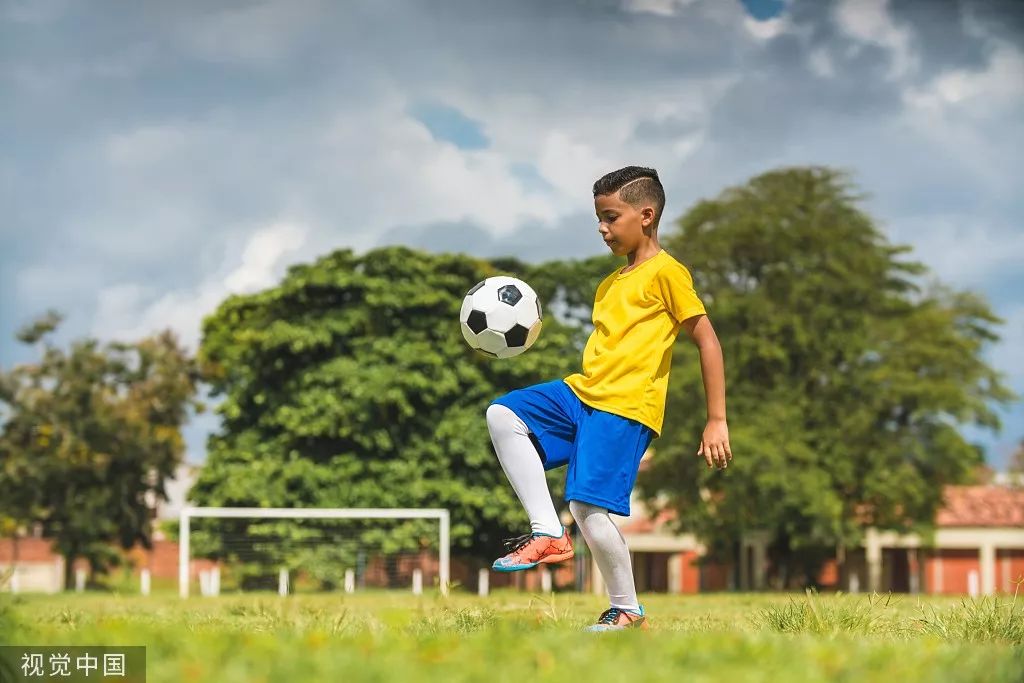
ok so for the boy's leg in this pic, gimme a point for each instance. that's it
(610, 551)
(600, 479)
(524, 469)
(533, 429)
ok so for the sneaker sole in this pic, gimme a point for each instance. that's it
(641, 625)
(550, 559)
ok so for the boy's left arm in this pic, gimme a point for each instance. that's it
(714, 444)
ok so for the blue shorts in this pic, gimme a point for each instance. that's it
(602, 450)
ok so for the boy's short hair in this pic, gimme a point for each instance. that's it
(636, 186)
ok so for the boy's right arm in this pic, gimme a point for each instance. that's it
(714, 444)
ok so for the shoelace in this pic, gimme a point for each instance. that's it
(610, 616)
(514, 544)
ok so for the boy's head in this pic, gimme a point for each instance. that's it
(629, 203)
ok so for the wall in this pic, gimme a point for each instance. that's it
(947, 570)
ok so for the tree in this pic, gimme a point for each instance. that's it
(89, 437)
(1016, 464)
(846, 376)
(349, 385)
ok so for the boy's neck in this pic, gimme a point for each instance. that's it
(649, 249)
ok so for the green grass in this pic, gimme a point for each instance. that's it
(520, 637)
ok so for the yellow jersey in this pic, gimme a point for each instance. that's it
(637, 316)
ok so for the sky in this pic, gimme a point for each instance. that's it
(158, 156)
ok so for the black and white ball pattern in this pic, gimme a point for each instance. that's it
(501, 317)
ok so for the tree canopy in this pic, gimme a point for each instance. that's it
(849, 367)
(88, 438)
(349, 385)
(848, 372)
(1016, 463)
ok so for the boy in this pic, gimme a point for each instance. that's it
(601, 420)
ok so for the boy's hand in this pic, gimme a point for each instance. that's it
(714, 445)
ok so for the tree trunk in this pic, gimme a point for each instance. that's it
(69, 569)
(9, 574)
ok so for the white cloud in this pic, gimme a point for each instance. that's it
(61, 83)
(765, 29)
(571, 165)
(134, 310)
(262, 257)
(869, 21)
(256, 33)
(963, 250)
(415, 179)
(323, 136)
(684, 147)
(664, 8)
(821, 63)
(985, 92)
(958, 110)
(147, 145)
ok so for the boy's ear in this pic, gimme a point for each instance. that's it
(647, 216)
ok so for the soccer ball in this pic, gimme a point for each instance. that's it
(501, 317)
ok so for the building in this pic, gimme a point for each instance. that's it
(29, 563)
(977, 549)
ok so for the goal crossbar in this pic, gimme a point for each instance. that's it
(188, 512)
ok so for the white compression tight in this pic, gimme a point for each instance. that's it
(610, 550)
(522, 465)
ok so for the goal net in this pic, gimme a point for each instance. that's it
(295, 550)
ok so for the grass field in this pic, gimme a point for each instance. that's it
(391, 636)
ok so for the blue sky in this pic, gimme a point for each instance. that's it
(155, 157)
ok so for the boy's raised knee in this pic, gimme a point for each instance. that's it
(501, 419)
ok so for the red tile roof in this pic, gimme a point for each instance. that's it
(1000, 506)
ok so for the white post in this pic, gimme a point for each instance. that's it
(972, 583)
(545, 580)
(204, 582)
(144, 582)
(744, 582)
(854, 582)
(915, 576)
(79, 580)
(417, 581)
(675, 573)
(483, 580)
(442, 515)
(1006, 574)
(350, 581)
(873, 555)
(215, 580)
(760, 563)
(445, 552)
(282, 582)
(987, 555)
(183, 554)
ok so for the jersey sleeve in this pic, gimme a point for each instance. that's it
(673, 287)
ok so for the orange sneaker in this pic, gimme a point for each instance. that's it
(615, 619)
(530, 550)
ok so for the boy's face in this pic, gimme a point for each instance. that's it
(622, 226)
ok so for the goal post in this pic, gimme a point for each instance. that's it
(189, 512)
